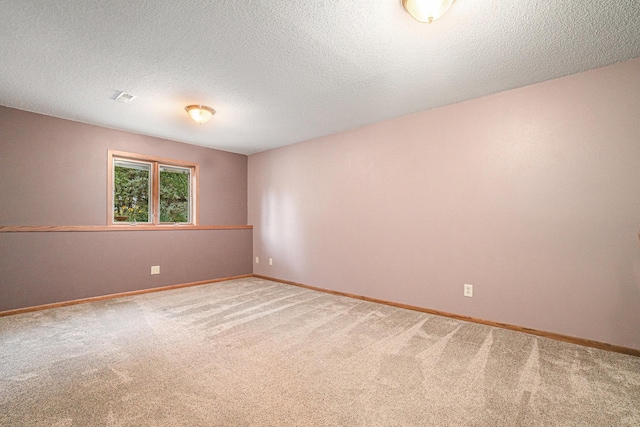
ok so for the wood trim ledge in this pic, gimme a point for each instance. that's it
(118, 295)
(84, 228)
(552, 335)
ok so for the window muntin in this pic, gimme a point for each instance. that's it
(151, 190)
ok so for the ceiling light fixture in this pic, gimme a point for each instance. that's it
(200, 113)
(426, 10)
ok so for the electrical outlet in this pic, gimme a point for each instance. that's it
(257, 260)
(155, 269)
(270, 261)
(468, 290)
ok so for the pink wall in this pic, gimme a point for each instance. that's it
(531, 195)
(54, 172)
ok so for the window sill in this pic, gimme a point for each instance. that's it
(94, 228)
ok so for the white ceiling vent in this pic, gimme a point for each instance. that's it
(125, 97)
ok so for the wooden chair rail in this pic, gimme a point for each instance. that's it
(101, 228)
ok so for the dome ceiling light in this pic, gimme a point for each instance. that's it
(200, 113)
(426, 10)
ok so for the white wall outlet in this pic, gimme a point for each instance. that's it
(155, 269)
(270, 261)
(468, 290)
(257, 260)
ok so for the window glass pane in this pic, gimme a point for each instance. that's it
(131, 191)
(174, 194)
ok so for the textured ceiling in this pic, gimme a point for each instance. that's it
(283, 71)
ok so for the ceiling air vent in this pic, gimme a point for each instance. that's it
(125, 97)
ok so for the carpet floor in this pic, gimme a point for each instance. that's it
(252, 352)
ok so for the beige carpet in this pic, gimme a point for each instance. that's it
(257, 353)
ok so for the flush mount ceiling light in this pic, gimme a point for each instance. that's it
(200, 113)
(426, 10)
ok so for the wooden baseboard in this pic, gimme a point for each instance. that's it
(118, 295)
(551, 335)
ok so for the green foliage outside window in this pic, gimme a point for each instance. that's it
(132, 184)
(131, 194)
(174, 195)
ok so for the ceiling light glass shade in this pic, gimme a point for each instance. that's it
(426, 10)
(200, 113)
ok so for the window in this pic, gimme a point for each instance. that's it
(174, 194)
(150, 190)
(131, 191)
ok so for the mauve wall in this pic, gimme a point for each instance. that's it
(54, 172)
(531, 195)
